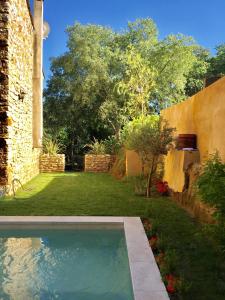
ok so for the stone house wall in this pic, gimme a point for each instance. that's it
(99, 163)
(18, 157)
(52, 163)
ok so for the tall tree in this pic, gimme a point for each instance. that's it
(137, 84)
(82, 99)
(217, 63)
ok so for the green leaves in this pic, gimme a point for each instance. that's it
(107, 78)
(211, 183)
(137, 83)
(148, 135)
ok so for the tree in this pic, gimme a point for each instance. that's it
(82, 80)
(81, 97)
(150, 137)
(217, 63)
(172, 58)
(137, 83)
(196, 76)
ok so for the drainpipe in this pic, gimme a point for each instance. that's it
(38, 74)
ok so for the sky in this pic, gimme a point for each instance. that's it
(202, 19)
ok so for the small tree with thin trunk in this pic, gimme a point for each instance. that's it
(150, 136)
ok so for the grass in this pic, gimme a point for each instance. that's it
(197, 260)
(75, 194)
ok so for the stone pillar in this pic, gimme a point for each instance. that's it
(38, 75)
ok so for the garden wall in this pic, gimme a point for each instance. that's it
(18, 158)
(203, 115)
(99, 163)
(52, 163)
(133, 164)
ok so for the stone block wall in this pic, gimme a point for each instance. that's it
(52, 163)
(99, 163)
(18, 159)
(4, 84)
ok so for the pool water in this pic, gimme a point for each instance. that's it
(80, 264)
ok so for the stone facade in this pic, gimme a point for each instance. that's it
(52, 163)
(18, 158)
(99, 163)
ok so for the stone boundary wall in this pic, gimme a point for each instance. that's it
(52, 163)
(18, 158)
(4, 90)
(99, 163)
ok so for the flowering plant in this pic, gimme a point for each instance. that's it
(162, 187)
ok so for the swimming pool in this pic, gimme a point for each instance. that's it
(79, 258)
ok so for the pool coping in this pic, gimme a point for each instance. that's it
(146, 279)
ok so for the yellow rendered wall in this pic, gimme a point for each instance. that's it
(203, 115)
(133, 163)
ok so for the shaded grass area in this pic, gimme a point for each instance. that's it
(197, 260)
(75, 194)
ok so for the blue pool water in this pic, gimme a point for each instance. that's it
(78, 264)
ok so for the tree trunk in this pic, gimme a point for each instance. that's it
(150, 176)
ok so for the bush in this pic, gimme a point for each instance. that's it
(112, 145)
(96, 147)
(51, 147)
(211, 184)
(211, 187)
(150, 136)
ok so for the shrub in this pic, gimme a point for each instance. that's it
(50, 146)
(211, 187)
(150, 137)
(112, 145)
(211, 184)
(96, 147)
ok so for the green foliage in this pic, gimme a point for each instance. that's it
(198, 72)
(150, 137)
(172, 58)
(51, 147)
(137, 83)
(140, 184)
(96, 147)
(217, 62)
(109, 146)
(112, 145)
(211, 184)
(82, 101)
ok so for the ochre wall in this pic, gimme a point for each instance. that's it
(203, 115)
(22, 160)
(133, 163)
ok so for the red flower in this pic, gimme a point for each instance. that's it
(162, 187)
(171, 282)
(170, 289)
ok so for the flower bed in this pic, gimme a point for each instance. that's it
(165, 260)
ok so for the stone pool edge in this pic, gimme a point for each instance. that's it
(146, 279)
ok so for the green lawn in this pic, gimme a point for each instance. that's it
(75, 194)
(197, 260)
